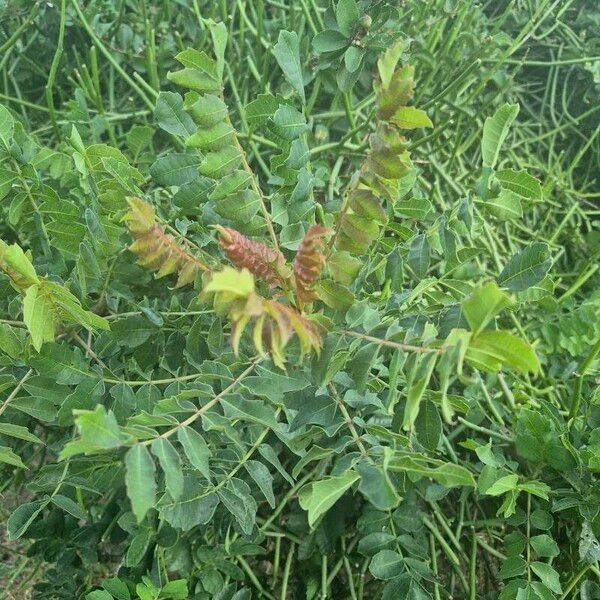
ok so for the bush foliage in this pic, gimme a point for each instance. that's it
(300, 300)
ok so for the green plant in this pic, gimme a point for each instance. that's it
(363, 383)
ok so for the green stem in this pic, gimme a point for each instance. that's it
(206, 407)
(12, 40)
(286, 573)
(54, 66)
(579, 378)
(98, 43)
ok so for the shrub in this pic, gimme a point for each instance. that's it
(232, 373)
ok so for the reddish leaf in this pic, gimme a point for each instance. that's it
(157, 250)
(262, 261)
(309, 262)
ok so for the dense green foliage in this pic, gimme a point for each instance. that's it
(299, 299)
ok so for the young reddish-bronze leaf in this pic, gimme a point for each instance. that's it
(273, 324)
(157, 250)
(262, 261)
(309, 262)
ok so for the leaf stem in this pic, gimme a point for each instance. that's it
(348, 420)
(13, 394)
(206, 406)
(390, 344)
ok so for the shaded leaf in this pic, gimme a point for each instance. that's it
(139, 479)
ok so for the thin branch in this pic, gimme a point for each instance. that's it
(15, 391)
(348, 420)
(390, 344)
(206, 407)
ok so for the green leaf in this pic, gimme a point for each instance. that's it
(17, 431)
(139, 479)
(360, 365)
(138, 547)
(39, 316)
(548, 576)
(230, 184)
(418, 381)
(419, 256)
(170, 116)
(218, 32)
(98, 430)
(212, 138)
(22, 517)
(69, 308)
(483, 304)
(6, 181)
(261, 109)
(503, 485)
(221, 162)
(196, 506)
(353, 58)
(520, 183)
(289, 123)
(376, 486)
(140, 137)
(194, 59)
(428, 426)
(386, 65)
(345, 79)
(513, 566)
(386, 564)
(235, 406)
(287, 54)
(69, 506)
(17, 266)
(329, 40)
(177, 589)
(117, 588)
(263, 479)
(505, 206)
(344, 267)
(206, 110)
(492, 350)
(526, 268)
(9, 457)
(98, 595)
(372, 543)
(543, 545)
(170, 463)
(334, 295)
(495, 130)
(176, 169)
(41, 409)
(536, 488)
(318, 410)
(236, 498)
(230, 280)
(318, 497)
(447, 474)
(274, 386)
(7, 125)
(270, 455)
(196, 449)
(409, 117)
(195, 80)
(346, 15)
